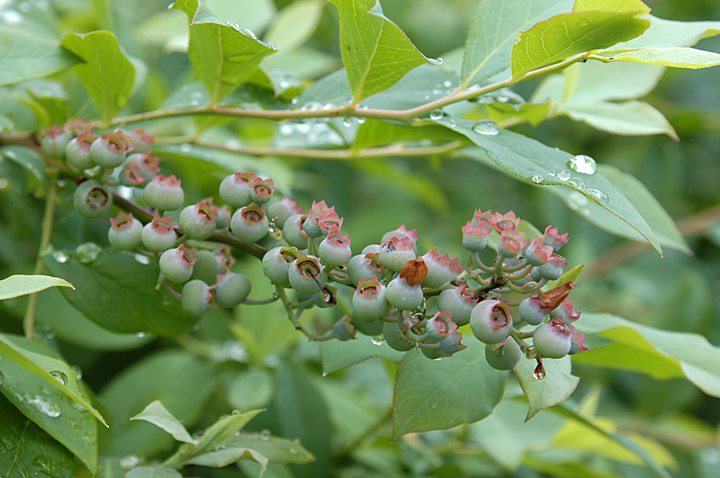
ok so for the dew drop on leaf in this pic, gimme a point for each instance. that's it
(44, 406)
(88, 252)
(563, 175)
(486, 127)
(379, 340)
(577, 183)
(582, 164)
(60, 256)
(265, 435)
(185, 148)
(539, 372)
(537, 178)
(59, 376)
(597, 194)
(129, 462)
(437, 115)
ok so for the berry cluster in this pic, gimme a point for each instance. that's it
(411, 300)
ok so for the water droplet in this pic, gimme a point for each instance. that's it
(347, 122)
(140, 334)
(294, 101)
(59, 376)
(437, 115)
(185, 148)
(233, 25)
(60, 256)
(539, 372)
(129, 462)
(248, 32)
(293, 451)
(11, 155)
(311, 105)
(169, 7)
(265, 435)
(537, 178)
(43, 463)
(597, 194)
(486, 127)
(439, 60)
(563, 175)
(437, 91)
(78, 373)
(427, 97)
(451, 122)
(272, 45)
(582, 164)
(378, 340)
(302, 128)
(361, 120)
(502, 99)
(88, 252)
(45, 406)
(286, 129)
(577, 183)
(145, 260)
(577, 200)
(447, 83)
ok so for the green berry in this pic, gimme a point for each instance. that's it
(459, 301)
(110, 149)
(307, 275)
(125, 232)
(491, 321)
(207, 267)
(391, 332)
(235, 189)
(250, 223)
(198, 220)
(197, 298)
(159, 235)
(403, 295)
(553, 339)
(293, 231)
(164, 193)
(276, 263)
(177, 264)
(77, 151)
(503, 356)
(92, 200)
(369, 300)
(232, 289)
(54, 142)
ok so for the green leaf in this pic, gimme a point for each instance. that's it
(336, 355)
(676, 57)
(27, 451)
(223, 55)
(107, 74)
(566, 35)
(441, 394)
(555, 388)
(668, 33)
(40, 360)
(276, 450)
(630, 118)
(532, 161)
(658, 353)
(495, 30)
(228, 456)
(179, 380)
(506, 114)
(17, 285)
(26, 54)
(295, 24)
(250, 389)
(27, 158)
(118, 293)
(622, 5)
(375, 132)
(147, 472)
(376, 53)
(158, 415)
(49, 406)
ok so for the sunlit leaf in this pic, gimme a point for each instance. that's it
(17, 285)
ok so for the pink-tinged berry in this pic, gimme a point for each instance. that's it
(364, 265)
(125, 232)
(400, 232)
(77, 151)
(566, 311)
(197, 298)
(554, 268)
(130, 176)
(553, 339)
(177, 264)
(250, 223)
(198, 220)
(504, 355)
(440, 326)
(232, 289)
(393, 337)
(403, 295)
(139, 169)
(480, 217)
(344, 330)
(276, 263)
(329, 222)
(307, 275)
(235, 189)
(441, 269)
(459, 301)
(294, 232)
(395, 253)
(553, 239)
(77, 127)
(491, 321)
(164, 193)
(372, 249)
(475, 237)
(262, 190)
(280, 211)
(532, 311)
(511, 243)
(207, 267)
(369, 300)
(537, 252)
(334, 250)
(223, 217)
(54, 142)
(110, 149)
(141, 141)
(92, 200)
(451, 344)
(319, 211)
(576, 343)
(159, 234)
(505, 222)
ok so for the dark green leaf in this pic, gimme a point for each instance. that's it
(50, 409)
(569, 34)
(336, 355)
(555, 388)
(441, 394)
(158, 415)
(376, 53)
(276, 450)
(17, 285)
(27, 158)
(26, 54)
(106, 73)
(27, 451)
(250, 389)
(118, 292)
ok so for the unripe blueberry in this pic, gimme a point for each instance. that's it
(223, 217)
(311, 225)
(164, 193)
(459, 301)
(276, 263)
(535, 274)
(92, 200)
(451, 344)
(511, 243)
(235, 189)
(371, 327)
(391, 332)
(293, 231)
(159, 235)
(110, 149)
(395, 253)
(567, 312)
(364, 265)
(139, 169)
(475, 236)
(372, 249)
(281, 210)
(401, 232)
(307, 275)
(369, 300)
(250, 223)
(54, 142)
(403, 295)
(553, 239)
(553, 339)
(537, 253)
(344, 330)
(576, 342)
(77, 127)
(503, 356)
(334, 250)
(504, 222)
(125, 232)
(532, 311)
(440, 269)
(262, 190)
(198, 220)
(232, 289)
(177, 264)
(440, 326)
(433, 353)
(197, 298)
(207, 267)
(141, 141)
(553, 269)
(77, 151)
(491, 321)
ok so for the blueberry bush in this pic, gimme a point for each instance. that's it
(288, 239)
